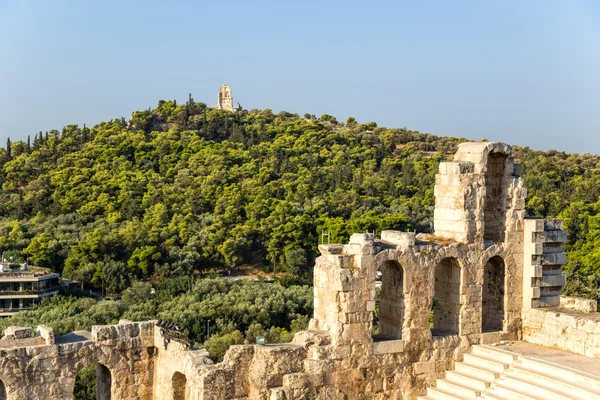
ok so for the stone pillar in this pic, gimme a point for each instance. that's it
(454, 204)
(543, 260)
(513, 255)
(343, 299)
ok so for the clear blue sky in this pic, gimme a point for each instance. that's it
(526, 72)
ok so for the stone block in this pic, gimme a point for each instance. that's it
(404, 239)
(370, 305)
(17, 332)
(362, 238)
(424, 367)
(388, 347)
(579, 304)
(46, 333)
(549, 237)
(302, 380)
(549, 281)
(545, 302)
(549, 259)
(553, 224)
(341, 352)
(331, 248)
(534, 225)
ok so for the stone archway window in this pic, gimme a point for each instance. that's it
(445, 315)
(388, 316)
(179, 386)
(494, 208)
(2, 390)
(492, 301)
(93, 382)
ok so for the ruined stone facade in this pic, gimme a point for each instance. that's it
(391, 314)
(225, 101)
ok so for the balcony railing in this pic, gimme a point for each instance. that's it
(13, 292)
(13, 309)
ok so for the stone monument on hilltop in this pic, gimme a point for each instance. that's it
(225, 100)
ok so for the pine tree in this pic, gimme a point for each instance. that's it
(28, 144)
(8, 148)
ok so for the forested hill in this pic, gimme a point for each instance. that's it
(183, 189)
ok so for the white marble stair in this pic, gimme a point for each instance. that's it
(491, 373)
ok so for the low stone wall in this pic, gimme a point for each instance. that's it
(565, 329)
(579, 304)
(46, 368)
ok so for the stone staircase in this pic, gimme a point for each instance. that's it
(491, 373)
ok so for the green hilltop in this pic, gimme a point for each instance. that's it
(186, 190)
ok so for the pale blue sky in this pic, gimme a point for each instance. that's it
(526, 72)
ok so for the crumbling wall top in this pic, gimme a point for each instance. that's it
(17, 332)
(477, 152)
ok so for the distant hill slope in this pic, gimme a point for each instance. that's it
(184, 188)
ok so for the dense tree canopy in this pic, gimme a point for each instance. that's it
(182, 190)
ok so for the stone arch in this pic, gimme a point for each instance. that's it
(493, 295)
(388, 315)
(478, 153)
(446, 304)
(179, 386)
(2, 390)
(494, 210)
(102, 384)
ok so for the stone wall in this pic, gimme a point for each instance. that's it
(438, 313)
(579, 304)
(31, 372)
(565, 329)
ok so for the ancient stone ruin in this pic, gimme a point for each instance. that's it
(393, 315)
(225, 101)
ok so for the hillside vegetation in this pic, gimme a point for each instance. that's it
(215, 313)
(184, 190)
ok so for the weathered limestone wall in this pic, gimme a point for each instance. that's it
(569, 330)
(444, 271)
(247, 371)
(578, 304)
(345, 297)
(49, 371)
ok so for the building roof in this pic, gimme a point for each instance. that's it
(13, 271)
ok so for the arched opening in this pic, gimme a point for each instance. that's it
(445, 310)
(2, 390)
(93, 382)
(179, 386)
(492, 301)
(494, 208)
(388, 315)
